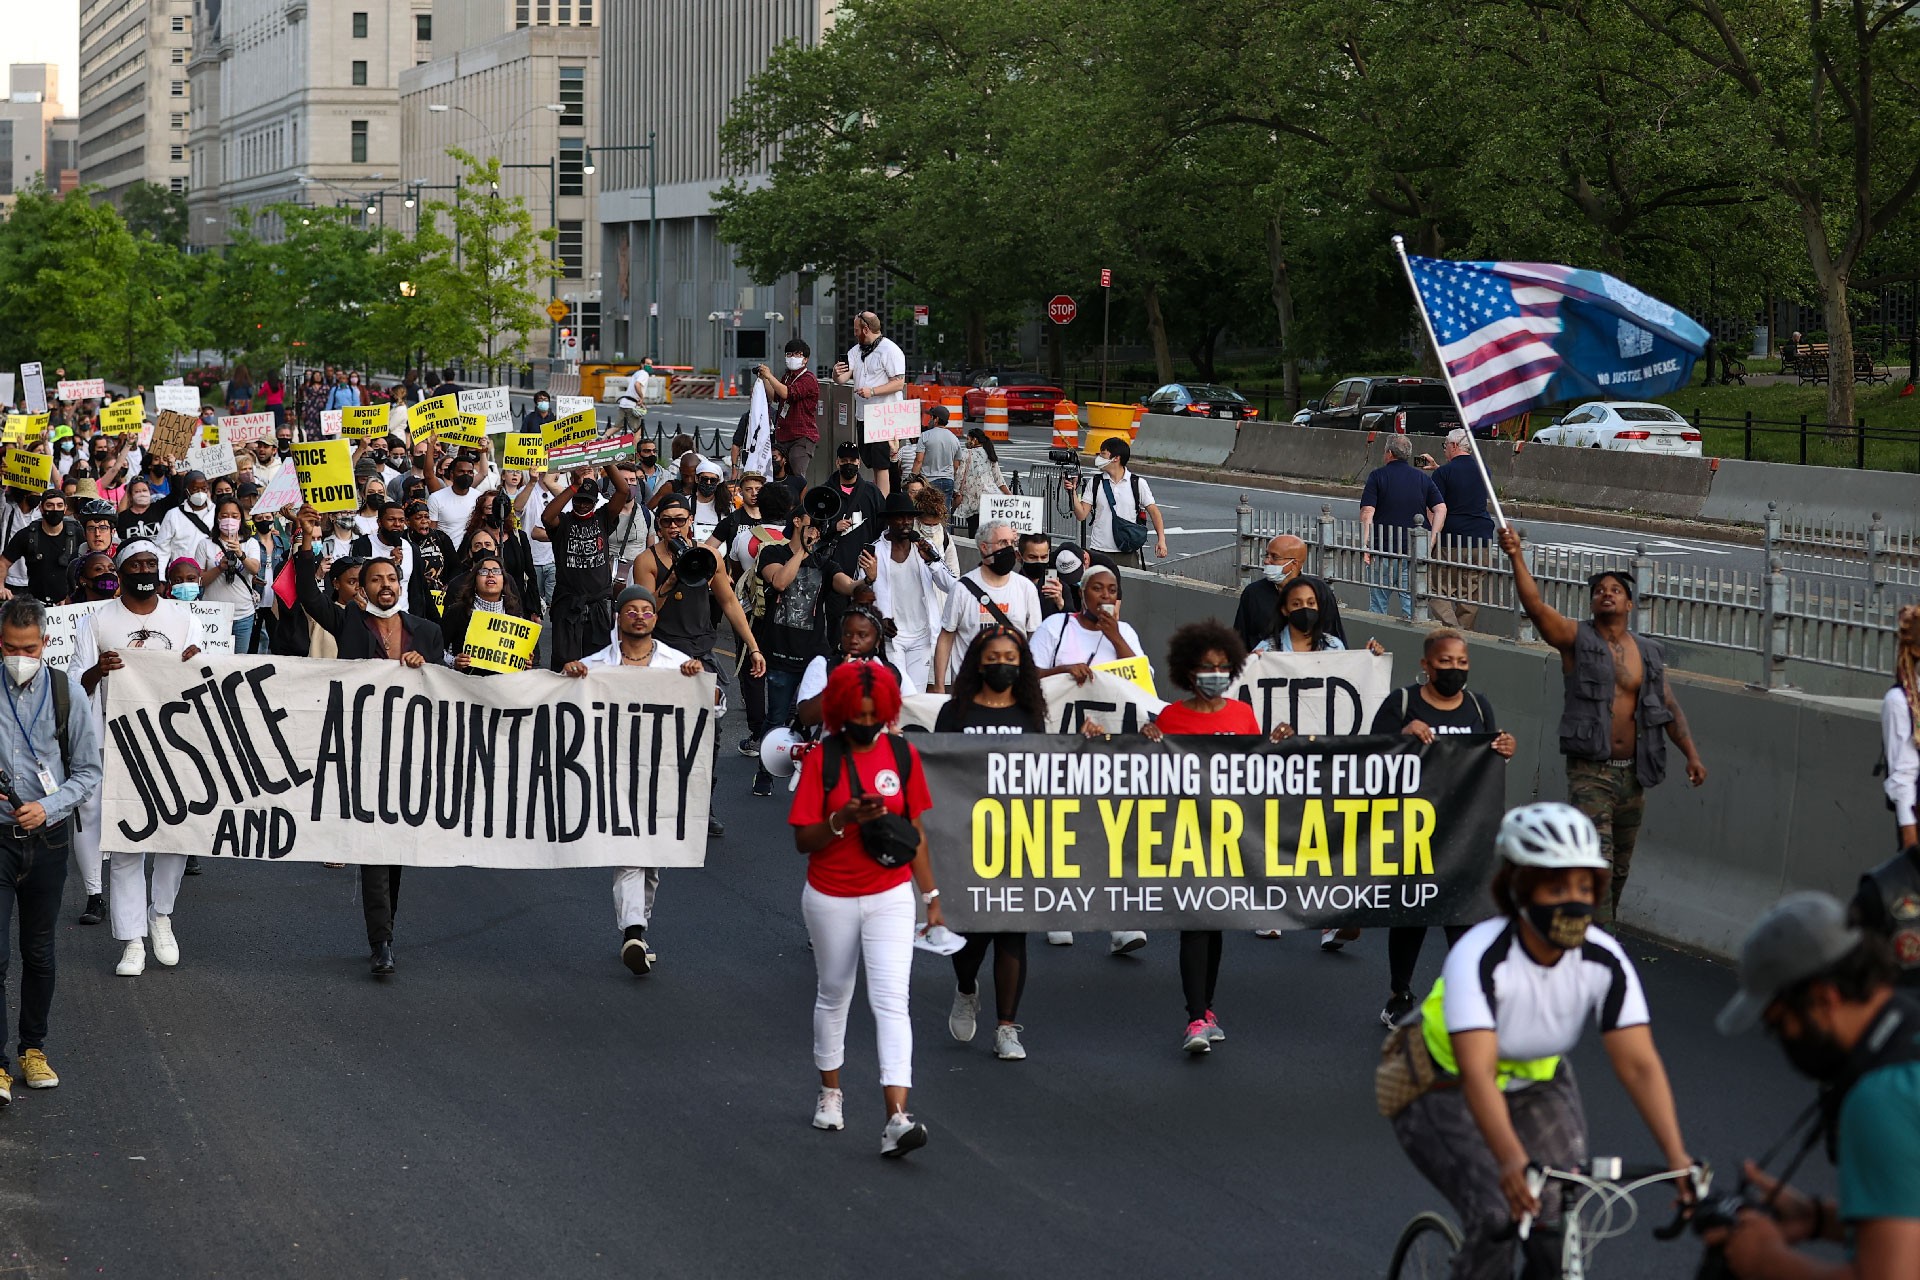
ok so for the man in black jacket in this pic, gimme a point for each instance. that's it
(390, 542)
(376, 629)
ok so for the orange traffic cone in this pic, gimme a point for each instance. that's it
(731, 390)
(997, 417)
(955, 402)
(1066, 425)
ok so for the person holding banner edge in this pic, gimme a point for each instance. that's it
(854, 797)
(1204, 658)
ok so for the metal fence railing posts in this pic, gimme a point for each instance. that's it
(1419, 546)
(1523, 625)
(1772, 543)
(1643, 575)
(1773, 654)
(1243, 528)
(1877, 563)
(1322, 555)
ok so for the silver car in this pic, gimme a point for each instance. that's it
(1624, 426)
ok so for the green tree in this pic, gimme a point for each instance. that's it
(65, 277)
(486, 299)
(152, 210)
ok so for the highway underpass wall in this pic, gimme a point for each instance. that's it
(1790, 800)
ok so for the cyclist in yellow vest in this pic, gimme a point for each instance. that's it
(1512, 998)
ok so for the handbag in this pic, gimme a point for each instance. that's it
(1128, 535)
(1406, 1069)
(890, 839)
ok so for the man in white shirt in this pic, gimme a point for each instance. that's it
(189, 526)
(1130, 499)
(877, 368)
(968, 610)
(451, 501)
(137, 618)
(634, 645)
(911, 583)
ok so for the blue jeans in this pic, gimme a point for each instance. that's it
(543, 578)
(1388, 577)
(781, 686)
(243, 633)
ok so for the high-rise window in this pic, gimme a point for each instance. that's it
(179, 26)
(178, 57)
(178, 89)
(359, 141)
(359, 72)
(177, 152)
(573, 96)
(359, 26)
(423, 26)
(177, 185)
(523, 13)
(573, 159)
(570, 247)
(179, 119)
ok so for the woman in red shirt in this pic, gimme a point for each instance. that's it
(1203, 658)
(856, 908)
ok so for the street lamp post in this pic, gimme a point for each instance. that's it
(653, 239)
(552, 169)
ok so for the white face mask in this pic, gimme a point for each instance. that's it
(22, 670)
(199, 501)
(796, 363)
(378, 612)
(1277, 573)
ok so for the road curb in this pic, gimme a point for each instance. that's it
(1667, 526)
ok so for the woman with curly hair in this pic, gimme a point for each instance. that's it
(858, 908)
(497, 515)
(1204, 658)
(933, 526)
(486, 588)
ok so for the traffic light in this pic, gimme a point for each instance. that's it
(565, 333)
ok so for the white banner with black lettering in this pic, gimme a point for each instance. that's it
(1318, 694)
(311, 760)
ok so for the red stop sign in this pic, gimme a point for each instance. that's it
(1062, 309)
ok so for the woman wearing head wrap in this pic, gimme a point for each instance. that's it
(1075, 643)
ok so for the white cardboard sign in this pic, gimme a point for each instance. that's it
(178, 398)
(897, 421)
(246, 428)
(1026, 514)
(212, 460)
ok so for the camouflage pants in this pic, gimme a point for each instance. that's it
(1609, 792)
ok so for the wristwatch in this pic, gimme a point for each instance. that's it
(928, 897)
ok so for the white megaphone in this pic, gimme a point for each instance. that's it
(781, 751)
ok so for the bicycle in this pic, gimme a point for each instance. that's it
(1591, 1198)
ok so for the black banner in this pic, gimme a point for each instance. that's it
(1033, 833)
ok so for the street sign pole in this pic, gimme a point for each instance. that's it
(1106, 324)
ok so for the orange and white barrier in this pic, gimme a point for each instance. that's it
(1066, 425)
(997, 417)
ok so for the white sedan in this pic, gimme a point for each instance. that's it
(1625, 427)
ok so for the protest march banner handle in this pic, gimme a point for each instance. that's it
(1426, 321)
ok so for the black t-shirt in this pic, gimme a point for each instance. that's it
(1403, 706)
(793, 631)
(582, 560)
(47, 557)
(971, 717)
(435, 550)
(140, 524)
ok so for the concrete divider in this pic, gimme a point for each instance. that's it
(1599, 478)
(1312, 453)
(1741, 491)
(1196, 442)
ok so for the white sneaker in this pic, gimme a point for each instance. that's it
(826, 1111)
(166, 949)
(902, 1134)
(1006, 1042)
(1334, 939)
(1059, 938)
(964, 1015)
(1126, 941)
(133, 961)
(1271, 935)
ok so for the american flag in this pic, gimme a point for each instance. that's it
(1495, 323)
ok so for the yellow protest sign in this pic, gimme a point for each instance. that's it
(439, 595)
(1136, 670)
(525, 451)
(462, 431)
(574, 429)
(500, 641)
(424, 418)
(24, 469)
(123, 417)
(24, 428)
(326, 475)
(364, 421)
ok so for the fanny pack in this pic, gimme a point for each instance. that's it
(1406, 1069)
(890, 839)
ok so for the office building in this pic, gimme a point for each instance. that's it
(674, 67)
(517, 80)
(36, 141)
(133, 93)
(296, 101)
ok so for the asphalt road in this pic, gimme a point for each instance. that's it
(515, 1103)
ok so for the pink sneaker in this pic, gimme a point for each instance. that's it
(1199, 1037)
(1214, 1033)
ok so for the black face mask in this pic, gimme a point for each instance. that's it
(1035, 569)
(1814, 1053)
(1304, 619)
(1564, 924)
(1003, 560)
(706, 487)
(462, 482)
(1448, 681)
(393, 537)
(648, 459)
(1000, 676)
(493, 515)
(849, 471)
(141, 582)
(862, 735)
(285, 448)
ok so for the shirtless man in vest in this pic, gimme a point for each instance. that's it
(1617, 703)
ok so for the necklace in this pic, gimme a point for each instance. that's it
(625, 661)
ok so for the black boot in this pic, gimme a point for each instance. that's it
(715, 828)
(382, 959)
(96, 909)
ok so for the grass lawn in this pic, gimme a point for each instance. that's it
(1884, 410)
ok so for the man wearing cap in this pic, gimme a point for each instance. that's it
(910, 583)
(938, 448)
(1469, 538)
(1617, 706)
(634, 645)
(877, 370)
(1258, 616)
(861, 501)
(1825, 991)
(138, 618)
(47, 549)
(452, 500)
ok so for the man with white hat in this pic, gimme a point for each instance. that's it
(1825, 993)
(136, 618)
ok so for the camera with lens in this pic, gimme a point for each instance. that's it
(1064, 457)
(1722, 1214)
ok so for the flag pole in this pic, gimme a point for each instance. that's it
(1426, 321)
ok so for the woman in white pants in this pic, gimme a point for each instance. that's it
(855, 907)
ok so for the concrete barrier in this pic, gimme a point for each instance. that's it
(1597, 478)
(1312, 453)
(1196, 442)
(1741, 491)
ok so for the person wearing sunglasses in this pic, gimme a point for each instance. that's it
(485, 588)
